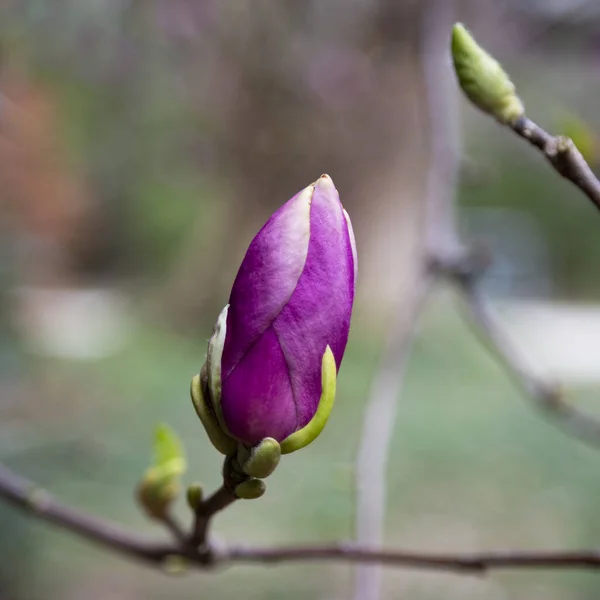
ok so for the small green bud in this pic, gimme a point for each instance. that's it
(194, 496)
(250, 489)
(156, 493)
(263, 459)
(160, 485)
(482, 78)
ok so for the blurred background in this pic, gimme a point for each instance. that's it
(144, 142)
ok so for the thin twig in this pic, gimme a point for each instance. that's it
(171, 523)
(563, 155)
(207, 509)
(475, 563)
(29, 497)
(219, 500)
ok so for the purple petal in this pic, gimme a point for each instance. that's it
(257, 400)
(267, 277)
(318, 313)
(291, 299)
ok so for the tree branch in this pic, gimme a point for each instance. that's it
(563, 155)
(221, 499)
(474, 563)
(28, 497)
(567, 160)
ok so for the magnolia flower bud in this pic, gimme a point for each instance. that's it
(268, 384)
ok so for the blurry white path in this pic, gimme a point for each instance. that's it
(561, 340)
(74, 324)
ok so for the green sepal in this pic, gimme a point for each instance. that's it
(250, 489)
(262, 460)
(213, 365)
(218, 438)
(311, 431)
(482, 78)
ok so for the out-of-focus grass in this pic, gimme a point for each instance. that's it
(472, 467)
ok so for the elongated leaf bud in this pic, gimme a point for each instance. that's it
(482, 79)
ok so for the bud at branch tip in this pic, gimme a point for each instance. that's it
(482, 78)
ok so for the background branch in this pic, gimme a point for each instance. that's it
(545, 394)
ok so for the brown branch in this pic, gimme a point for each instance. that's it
(475, 562)
(221, 499)
(563, 155)
(30, 498)
(27, 496)
(568, 161)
